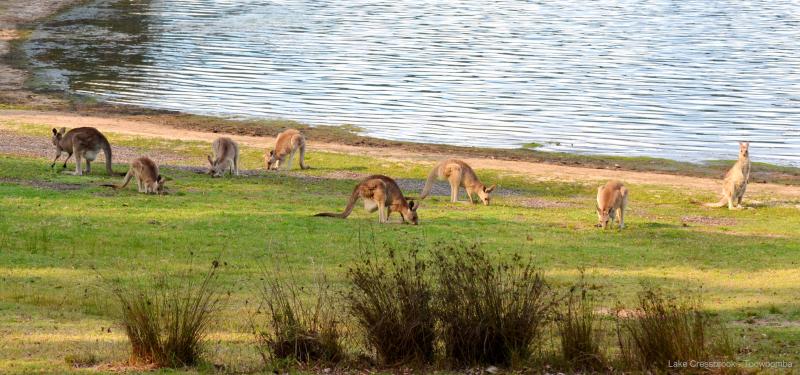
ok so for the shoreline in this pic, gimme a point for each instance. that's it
(158, 127)
(15, 95)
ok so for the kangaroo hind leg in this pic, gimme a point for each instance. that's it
(455, 182)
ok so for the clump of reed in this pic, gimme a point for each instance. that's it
(166, 322)
(390, 301)
(663, 329)
(490, 312)
(302, 325)
(580, 332)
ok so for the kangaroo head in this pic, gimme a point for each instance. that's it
(57, 135)
(216, 169)
(484, 193)
(410, 214)
(160, 187)
(603, 217)
(270, 159)
(744, 149)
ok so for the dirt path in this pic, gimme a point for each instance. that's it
(540, 171)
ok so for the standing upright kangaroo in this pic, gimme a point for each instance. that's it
(84, 143)
(735, 183)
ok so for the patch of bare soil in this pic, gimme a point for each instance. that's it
(534, 170)
(12, 143)
(545, 203)
(769, 322)
(345, 175)
(708, 220)
(43, 184)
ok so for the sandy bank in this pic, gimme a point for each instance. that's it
(540, 171)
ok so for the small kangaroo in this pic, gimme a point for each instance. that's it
(735, 183)
(226, 157)
(458, 173)
(287, 143)
(147, 177)
(380, 193)
(611, 201)
(84, 143)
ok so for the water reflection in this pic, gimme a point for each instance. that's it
(676, 79)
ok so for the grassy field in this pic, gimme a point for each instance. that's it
(59, 233)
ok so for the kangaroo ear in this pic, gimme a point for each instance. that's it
(63, 130)
(411, 205)
(271, 152)
(490, 188)
(55, 131)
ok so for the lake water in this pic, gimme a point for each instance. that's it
(679, 79)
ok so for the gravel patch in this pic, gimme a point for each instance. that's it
(42, 147)
(43, 184)
(544, 203)
(708, 220)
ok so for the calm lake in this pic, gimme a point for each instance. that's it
(677, 79)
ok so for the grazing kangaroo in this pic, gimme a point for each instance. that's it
(611, 201)
(380, 193)
(226, 157)
(735, 183)
(147, 177)
(287, 143)
(84, 143)
(458, 174)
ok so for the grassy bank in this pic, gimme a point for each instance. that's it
(348, 135)
(58, 232)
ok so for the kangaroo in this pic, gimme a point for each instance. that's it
(226, 157)
(611, 201)
(458, 174)
(735, 183)
(84, 143)
(147, 177)
(380, 193)
(287, 143)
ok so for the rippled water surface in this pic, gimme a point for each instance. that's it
(677, 79)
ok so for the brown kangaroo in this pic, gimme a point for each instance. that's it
(611, 201)
(147, 177)
(84, 143)
(380, 193)
(458, 173)
(286, 144)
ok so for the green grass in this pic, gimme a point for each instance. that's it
(53, 243)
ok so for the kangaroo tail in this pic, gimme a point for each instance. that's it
(721, 202)
(429, 182)
(347, 210)
(128, 177)
(107, 151)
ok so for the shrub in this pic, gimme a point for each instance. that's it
(297, 330)
(580, 334)
(165, 323)
(391, 302)
(490, 312)
(675, 329)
